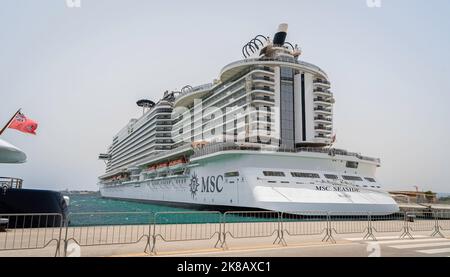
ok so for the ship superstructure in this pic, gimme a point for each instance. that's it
(259, 136)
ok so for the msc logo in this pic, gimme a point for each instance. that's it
(209, 184)
(193, 186)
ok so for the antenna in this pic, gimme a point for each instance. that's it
(145, 104)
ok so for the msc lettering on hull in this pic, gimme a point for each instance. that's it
(209, 184)
(212, 184)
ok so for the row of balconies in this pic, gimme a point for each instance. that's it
(322, 109)
(324, 100)
(268, 89)
(263, 98)
(163, 141)
(323, 118)
(163, 135)
(322, 128)
(163, 129)
(321, 81)
(265, 68)
(325, 136)
(264, 88)
(263, 78)
(322, 91)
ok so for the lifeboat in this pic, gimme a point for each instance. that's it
(162, 166)
(177, 162)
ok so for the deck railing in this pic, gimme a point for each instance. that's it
(10, 182)
(218, 147)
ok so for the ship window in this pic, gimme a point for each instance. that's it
(305, 175)
(372, 180)
(274, 173)
(352, 178)
(351, 164)
(331, 176)
(232, 174)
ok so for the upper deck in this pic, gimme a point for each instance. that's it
(234, 68)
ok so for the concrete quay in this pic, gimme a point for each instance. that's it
(242, 240)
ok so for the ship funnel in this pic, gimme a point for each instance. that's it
(280, 36)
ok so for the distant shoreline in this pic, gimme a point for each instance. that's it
(80, 192)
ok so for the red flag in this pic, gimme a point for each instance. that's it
(23, 124)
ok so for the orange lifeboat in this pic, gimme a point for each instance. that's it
(177, 162)
(162, 165)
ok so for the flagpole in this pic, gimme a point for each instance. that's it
(9, 122)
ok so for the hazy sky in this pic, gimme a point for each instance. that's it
(79, 72)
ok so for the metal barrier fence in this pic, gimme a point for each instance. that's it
(393, 223)
(303, 224)
(117, 228)
(422, 221)
(248, 224)
(31, 231)
(357, 223)
(443, 219)
(186, 226)
(38, 231)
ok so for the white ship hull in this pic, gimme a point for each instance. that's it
(206, 184)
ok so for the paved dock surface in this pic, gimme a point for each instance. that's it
(261, 239)
(387, 245)
(427, 247)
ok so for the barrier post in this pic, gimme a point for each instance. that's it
(369, 234)
(280, 236)
(406, 228)
(329, 231)
(153, 245)
(186, 226)
(437, 226)
(251, 224)
(147, 245)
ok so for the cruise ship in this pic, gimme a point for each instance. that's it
(260, 136)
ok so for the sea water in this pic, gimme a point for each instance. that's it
(93, 210)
